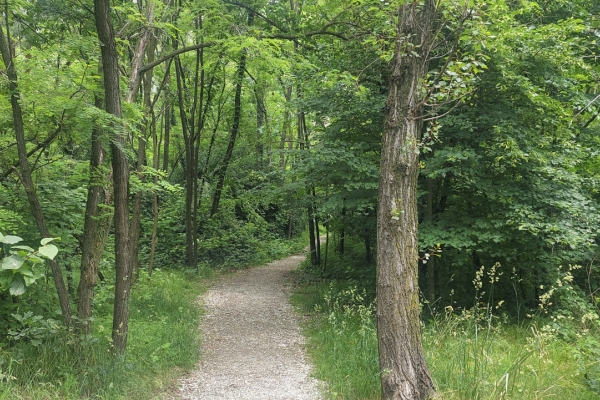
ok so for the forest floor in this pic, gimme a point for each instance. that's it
(252, 345)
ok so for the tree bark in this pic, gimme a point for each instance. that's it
(25, 170)
(261, 123)
(404, 373)
(110, 64)
(146, 45)
(189, 170)
(431, 261)
(96, 227)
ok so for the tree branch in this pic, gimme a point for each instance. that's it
(31, 152)
(174, 53)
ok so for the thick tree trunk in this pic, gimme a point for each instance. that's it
(25, 171)
(404, 370)
(110, 64)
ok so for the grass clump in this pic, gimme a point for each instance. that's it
(472, 354)
(342, 339)
(163, 341)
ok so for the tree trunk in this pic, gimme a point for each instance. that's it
(96, 227)
(431, 261)
(25, 170)
(235, 127)
(167, 137)
(261, 122)
(287, 126)
(189, 170)
(155, 209)
(110, 64)
(145, 46)
(404, 370)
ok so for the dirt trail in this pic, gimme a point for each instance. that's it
(253, 348)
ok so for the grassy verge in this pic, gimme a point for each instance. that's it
(471, 356)
(41, 360)
(163, 341)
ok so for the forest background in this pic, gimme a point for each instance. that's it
(244, 124)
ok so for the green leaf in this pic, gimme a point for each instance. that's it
(13, 261)
(45, 241)
(17, 287)
(6, 277)
(50, 251)
(29, 249)
(10, 239)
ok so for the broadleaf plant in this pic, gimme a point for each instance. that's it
(20, 268)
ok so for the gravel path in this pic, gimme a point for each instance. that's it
(253, 347)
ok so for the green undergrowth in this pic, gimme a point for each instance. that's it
(472, 354)
(47, 362)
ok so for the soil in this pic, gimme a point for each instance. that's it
(252, 346)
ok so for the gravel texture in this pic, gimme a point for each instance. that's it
(252, 347)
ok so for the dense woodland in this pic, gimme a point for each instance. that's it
(190, 135)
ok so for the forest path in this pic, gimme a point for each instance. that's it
(252, 348)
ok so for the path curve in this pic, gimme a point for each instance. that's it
(252, 348)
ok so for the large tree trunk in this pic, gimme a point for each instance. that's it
(25, 170)
(404, 370)
(110, 64)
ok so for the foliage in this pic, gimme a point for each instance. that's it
(509, 176)
(476, 353)
(342, 340)
(61, 365)
(20, 266)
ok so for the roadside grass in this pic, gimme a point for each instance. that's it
(471, 355)
(44, 361)
(163, 341)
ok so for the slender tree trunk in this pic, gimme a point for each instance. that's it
(167, 137)
(431, 261)
(235, 127)
(317, 233)
(25, 170)
(312, 245)
(326, 247)
(342, 245)
(404, 372)
(110, 64)
(190, 169)
(145, 46)
(95, 229)
(290, 225)
(155, 208)
(287, 126)
(261, 122)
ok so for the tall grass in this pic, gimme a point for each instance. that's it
(342, 339)
(163, 341)
(472, 354)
